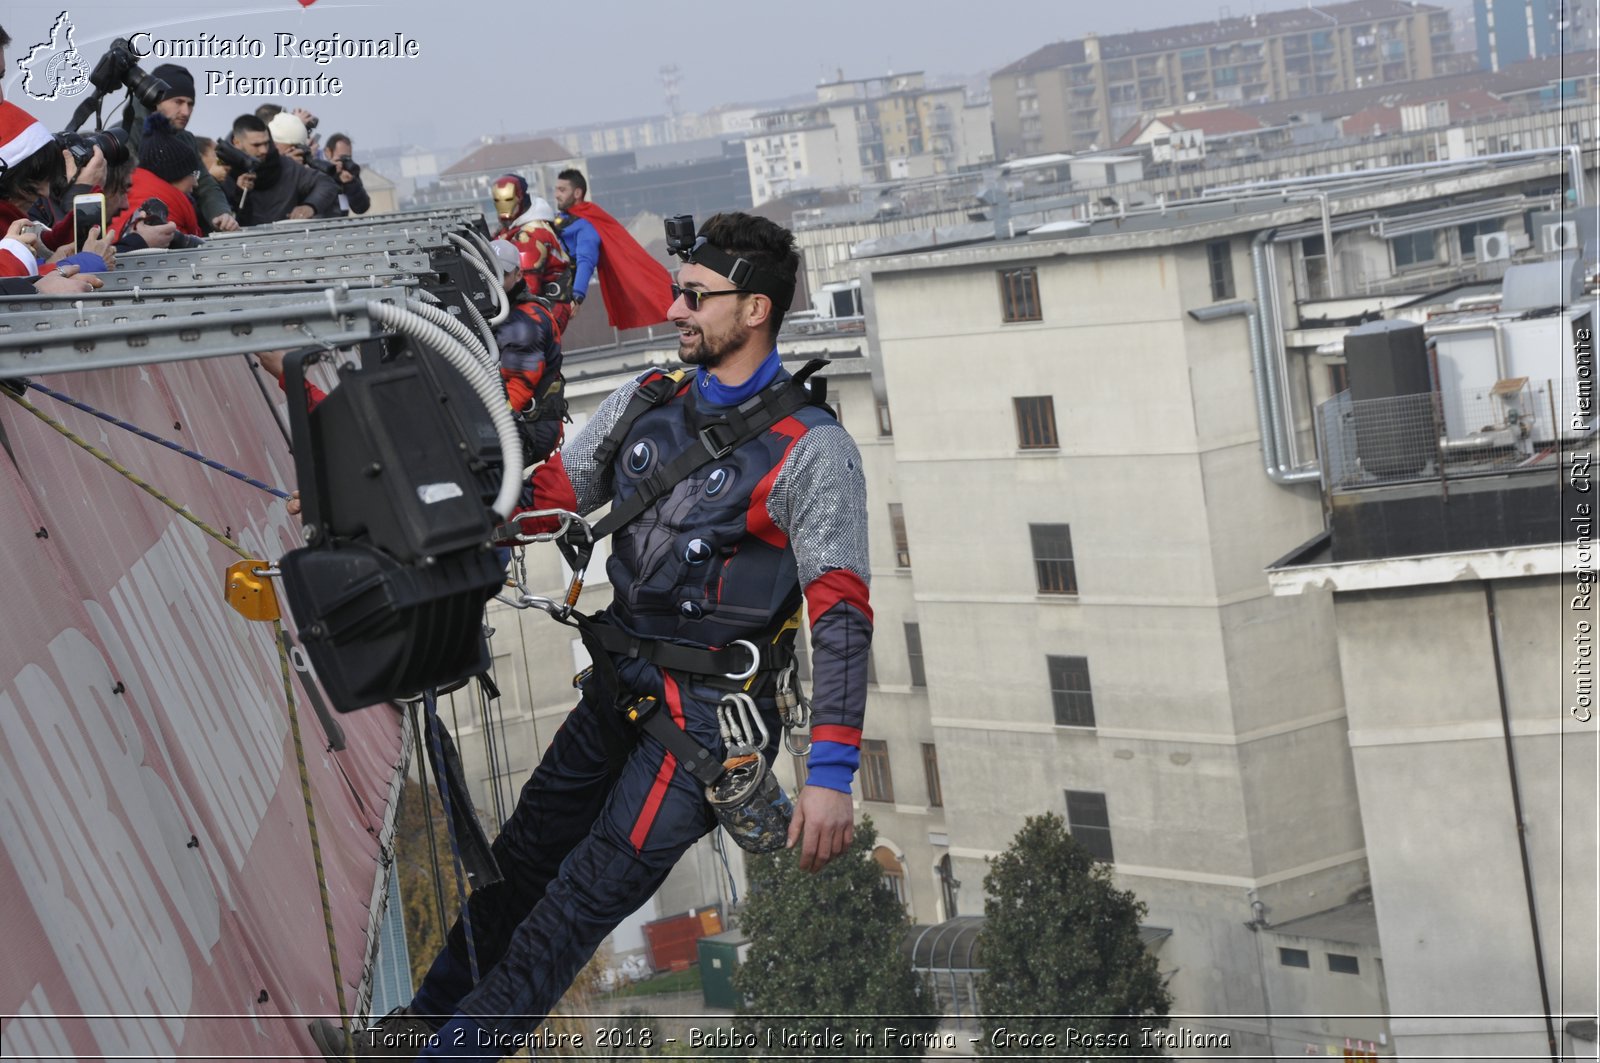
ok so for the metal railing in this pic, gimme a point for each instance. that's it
(1512, 426)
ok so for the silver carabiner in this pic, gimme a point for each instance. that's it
(740, 731)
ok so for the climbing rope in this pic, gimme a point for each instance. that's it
(132, 478)
(311, 820)
(283, 660)
(152, 437)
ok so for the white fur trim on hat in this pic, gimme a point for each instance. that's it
(20, 134)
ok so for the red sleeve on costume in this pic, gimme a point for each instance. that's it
(832, 732)
(521, 385)
(835, 586)
(314, 394)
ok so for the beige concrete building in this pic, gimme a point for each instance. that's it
(866, 130)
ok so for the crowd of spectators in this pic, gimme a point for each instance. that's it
(167, 189)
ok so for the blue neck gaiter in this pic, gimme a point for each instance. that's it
(715, 393)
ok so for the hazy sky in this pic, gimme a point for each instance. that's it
(483, 70)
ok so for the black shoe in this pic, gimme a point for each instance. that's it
(398, 1035)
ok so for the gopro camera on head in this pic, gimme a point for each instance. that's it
(680, 236)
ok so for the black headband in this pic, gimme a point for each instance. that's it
(745, 275)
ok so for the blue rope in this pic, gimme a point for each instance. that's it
(434, 724)
(169, 444)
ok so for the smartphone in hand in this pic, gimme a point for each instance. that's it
(88, 212)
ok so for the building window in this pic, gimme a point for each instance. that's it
(1314, 256)
(897, 528)
(1036, 422)
(1052, 558)
(1089, 824)
(948, 886)
(876, 782)
(930, 768)
(1294, 957)
(894, 876)
(1341, 964)
(885, 422)
(1468, 235)
(1069, 690)
(1414, 250)
(1019, 295)
(1219, 258)
(919, 678)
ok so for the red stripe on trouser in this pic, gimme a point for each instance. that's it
(669, 764)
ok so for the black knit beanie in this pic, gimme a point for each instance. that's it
(164, 153)
(180, 82)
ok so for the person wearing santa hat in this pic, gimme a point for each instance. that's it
(30, 164)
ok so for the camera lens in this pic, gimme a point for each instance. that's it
(148, 88)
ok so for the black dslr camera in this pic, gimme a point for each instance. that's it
(118, 68)
(234, 159)
(113, 144)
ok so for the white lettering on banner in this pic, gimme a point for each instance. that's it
(220, 714)
(160, 826)
(95, 829)
(34, 1031)
(115, 941)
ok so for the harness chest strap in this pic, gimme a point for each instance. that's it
(745, 422)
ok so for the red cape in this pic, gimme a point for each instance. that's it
(637, 289)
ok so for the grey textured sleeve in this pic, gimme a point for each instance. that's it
(590, 481)
(820, 501)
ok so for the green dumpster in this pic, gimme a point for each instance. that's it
(720, 956)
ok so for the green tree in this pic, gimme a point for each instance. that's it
(826, 949)
(1061, 953)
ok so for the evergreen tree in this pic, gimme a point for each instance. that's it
(1061, 953)
(826, 948)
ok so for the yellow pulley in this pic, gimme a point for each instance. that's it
(248, 588)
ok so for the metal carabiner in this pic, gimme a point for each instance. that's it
(740, 731)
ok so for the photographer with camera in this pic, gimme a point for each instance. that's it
(268, 185)
(176, 105)
(31, 168)
(158, 209)
(336, 163)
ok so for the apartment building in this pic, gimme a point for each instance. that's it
(1083, 94)
(863, 131)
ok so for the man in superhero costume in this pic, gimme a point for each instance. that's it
(636, 288)
(716, 562)
(526, 222)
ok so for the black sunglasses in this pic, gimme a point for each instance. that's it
(692, 297)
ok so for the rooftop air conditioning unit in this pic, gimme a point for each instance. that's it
(1559, 236)
(1492, 247)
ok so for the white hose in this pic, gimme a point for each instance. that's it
(458, 329)
(489, 343)
(490, 273)
(486, 386)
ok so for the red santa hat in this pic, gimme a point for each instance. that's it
(21, 135)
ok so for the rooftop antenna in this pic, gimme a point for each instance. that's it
(670, 78)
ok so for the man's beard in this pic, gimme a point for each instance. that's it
(708, 354)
